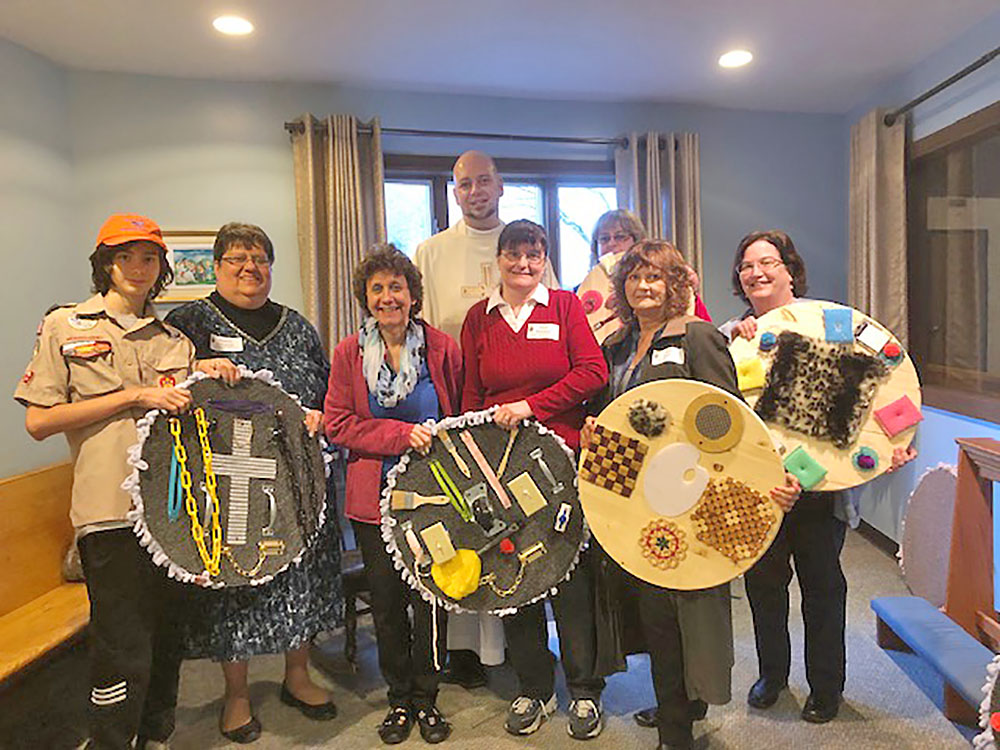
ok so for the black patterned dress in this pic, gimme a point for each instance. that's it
(235, 624)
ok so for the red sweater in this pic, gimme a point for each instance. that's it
(555, 376)
(348, 420)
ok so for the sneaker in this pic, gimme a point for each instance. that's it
(585, 719)
(527, 714)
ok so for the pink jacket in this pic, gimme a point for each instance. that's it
(348, 420)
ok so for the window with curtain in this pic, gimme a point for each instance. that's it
(566, 197)
(953, 208)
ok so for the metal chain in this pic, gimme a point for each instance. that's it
(277, 547)
(490, 580)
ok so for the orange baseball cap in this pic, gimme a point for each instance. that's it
(122, 228)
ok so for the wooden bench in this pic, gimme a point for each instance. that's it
(911, 623)
(38, 610)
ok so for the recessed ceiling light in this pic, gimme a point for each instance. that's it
(232, 25)
(735, 58)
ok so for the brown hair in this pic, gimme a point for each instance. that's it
(522, 232)
(385, 256)
(624, 218)
(102, 258)
(659, 254)
(238, 234)
(789, 256)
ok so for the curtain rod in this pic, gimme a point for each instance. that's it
(891, 117)
(298, 127)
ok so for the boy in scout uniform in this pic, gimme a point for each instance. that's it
(98, 366)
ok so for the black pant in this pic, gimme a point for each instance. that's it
(135, 653)
(405, 651)
(662, 632)
(528, 638)
(813, 537)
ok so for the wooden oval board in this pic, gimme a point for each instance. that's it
(653, 499)
(806, 318)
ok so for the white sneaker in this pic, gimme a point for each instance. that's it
(586, 720)
(527, 714)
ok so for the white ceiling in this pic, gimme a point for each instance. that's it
(811, 55)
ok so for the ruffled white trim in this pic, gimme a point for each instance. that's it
(469, 419)
(984, 740)
(953, 470)
(137, 515)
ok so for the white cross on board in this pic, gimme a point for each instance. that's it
(482, 290)
(241, 467)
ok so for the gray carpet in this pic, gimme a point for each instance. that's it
(890, 698)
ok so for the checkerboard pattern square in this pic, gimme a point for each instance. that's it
(613, 461)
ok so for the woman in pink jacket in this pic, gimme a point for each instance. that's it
(385, 381)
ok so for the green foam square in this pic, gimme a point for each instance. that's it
(806, 469)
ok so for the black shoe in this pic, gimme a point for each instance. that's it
(244, 735)
(464, 669)
(396, 726)
(646, 717)
(821, 707)
(697, 709)
(314, 711)
(764, 693)
(433, 727)
(675, 746)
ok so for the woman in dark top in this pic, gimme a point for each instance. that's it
(238, 322)
(688, 634)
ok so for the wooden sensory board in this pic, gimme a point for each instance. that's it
(618, 522)
(806, 318)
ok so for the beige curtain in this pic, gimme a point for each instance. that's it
(877, 282)
(340, 211)
(658, 177)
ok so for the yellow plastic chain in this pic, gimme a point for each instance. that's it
(210, 561)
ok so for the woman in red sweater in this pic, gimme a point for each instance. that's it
(528, 350)
(385, 381)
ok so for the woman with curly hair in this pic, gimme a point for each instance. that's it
(688, 634)
(385, 382)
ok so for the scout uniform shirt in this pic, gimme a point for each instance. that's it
(83, 352)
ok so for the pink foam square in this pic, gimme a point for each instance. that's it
(895, 417)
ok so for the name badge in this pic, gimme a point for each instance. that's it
(548, 331)
(226, 343)
(671, 354)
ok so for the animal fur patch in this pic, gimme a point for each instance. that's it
(613, 461)
(821, 390)
(733, 519)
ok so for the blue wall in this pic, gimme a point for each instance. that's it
(883, 501)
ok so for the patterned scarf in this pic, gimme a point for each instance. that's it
(388, 387)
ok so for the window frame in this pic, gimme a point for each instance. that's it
(978, 126)
(548, 174)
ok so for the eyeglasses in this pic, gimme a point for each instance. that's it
(765, 264)
(604, 239)
(514, 256)
(238, 261)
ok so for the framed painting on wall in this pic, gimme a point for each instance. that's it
(190, 255)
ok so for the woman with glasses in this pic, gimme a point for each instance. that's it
(240, 324)
(615, 232)
(769, 273)
(528, 350)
